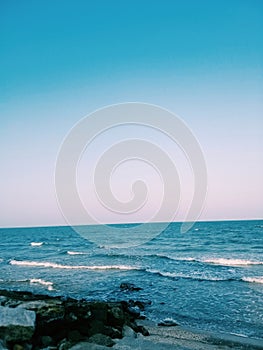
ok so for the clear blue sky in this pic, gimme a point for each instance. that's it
(60, 60)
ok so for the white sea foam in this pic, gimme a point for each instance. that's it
(36, 244)
(69, 252)
(47, 284)
(253, 279)
(232, 262)
(187, 276)
(71, 267)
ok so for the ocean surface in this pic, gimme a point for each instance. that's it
(210, 278)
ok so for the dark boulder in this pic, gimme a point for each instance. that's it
(126, 286)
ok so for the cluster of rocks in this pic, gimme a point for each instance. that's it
(34, 322)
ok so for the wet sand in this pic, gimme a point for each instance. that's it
(170, 338)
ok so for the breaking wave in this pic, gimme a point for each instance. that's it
(253, 279)
(36, 244)
(71, 267)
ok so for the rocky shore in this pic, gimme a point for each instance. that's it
(41, 322)
(29, 321)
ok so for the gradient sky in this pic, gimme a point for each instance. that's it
(61, 60)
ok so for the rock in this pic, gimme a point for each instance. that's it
(18, 347)
(143, 331)
(99, 311)
(3, 300)
(64, 344)
(2, 345)
(128, 332)
(116, 316)
(16, 324)
(88, 346)
(101, 339)
(140, 304)
(59, 322)
(125, 286)
(97, 327)
(134, 311)
(168, 322)
(33, 305)
(112, 332)
(74, 336)
(46, 340)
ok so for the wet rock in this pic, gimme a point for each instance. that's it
(60, 322)
(126, 286)
(16, 324)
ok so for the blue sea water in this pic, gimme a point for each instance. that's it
(210, 278)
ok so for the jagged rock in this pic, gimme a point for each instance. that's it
(125, 286)
(16, 324)
(101, 339)
(62, 322)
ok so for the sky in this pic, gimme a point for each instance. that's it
(61, 60)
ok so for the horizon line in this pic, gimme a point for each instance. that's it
(131, 223)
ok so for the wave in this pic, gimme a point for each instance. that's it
(179, 275)
(232, 262)
(71, 267)
(214, 261)
(36, 244)
(186, 276)
(47, 284)
(211, 261)
(69, 252)
(44, 283)
(253, 279)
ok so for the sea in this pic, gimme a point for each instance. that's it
(209, 278)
